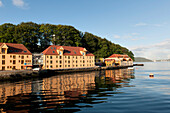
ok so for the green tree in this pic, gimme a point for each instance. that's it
(27, 34)
(6, 33)
(67, 35)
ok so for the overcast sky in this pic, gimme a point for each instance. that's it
(143, 26)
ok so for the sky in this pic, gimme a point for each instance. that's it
(142, 26)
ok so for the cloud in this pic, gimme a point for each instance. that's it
(1, 4)
(131, 36)
(135, 33)
(116, 36)
(146, 24)
(20, 3)
(141, 24)
(153, 51)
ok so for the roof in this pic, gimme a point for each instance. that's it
(109, 59)
(118, 56)
(14, 48)
(115, 55)
(68, 50)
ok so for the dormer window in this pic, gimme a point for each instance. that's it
(83, 54)
(60, 53)
(3, 51)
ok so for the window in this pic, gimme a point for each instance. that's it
(22, 61)
(60, 61)
(74, 51)
(14, 67)
(59, 52)
(51, 47)
(19, 61)
(55, 48)
(51, 57)
(68, 57)
(3, 61)
(60, 57)
(60, 66)
(65, 65)
(51, 62)
(53, 51)
(27, 56)
(47, 66)
(14, 57)
(10, 61)
(19, 56)
(22, 67)
(65, 56)
(65, 61)
(3, 51)
(10, 56)
(83, 54)
(47, 56)
(68, 61)
(56, 65)
(25, 51)
(47, 61)
(22, 57)
(68, 65)
(3, 56)
(56, 61)
(51, 66)
(56, 56)
(14, 62)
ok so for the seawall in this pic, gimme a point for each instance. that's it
(27, 74)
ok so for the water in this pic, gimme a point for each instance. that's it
(119, 91)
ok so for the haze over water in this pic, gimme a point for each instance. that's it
(119, 91)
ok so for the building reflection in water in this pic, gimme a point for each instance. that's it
(61, 93)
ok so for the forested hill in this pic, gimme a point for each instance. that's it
(37, 37)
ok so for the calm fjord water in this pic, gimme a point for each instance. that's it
(119, 91)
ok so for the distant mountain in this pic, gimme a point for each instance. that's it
(142, 59)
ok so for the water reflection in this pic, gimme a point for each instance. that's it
(63, 93)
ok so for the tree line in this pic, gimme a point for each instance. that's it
(37, 37)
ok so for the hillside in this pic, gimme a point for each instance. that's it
(142, 59)
(37, 37)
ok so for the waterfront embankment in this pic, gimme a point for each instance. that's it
(26, 74)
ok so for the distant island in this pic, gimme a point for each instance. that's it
(142, 59)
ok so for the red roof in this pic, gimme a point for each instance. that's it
(118, 56)
(109, 59)
(14, 48)
(115, 55)
(68, 50)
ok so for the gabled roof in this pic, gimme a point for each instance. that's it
(115, 55)
(68, 50)
(14, 48)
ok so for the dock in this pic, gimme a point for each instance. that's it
(26, 74)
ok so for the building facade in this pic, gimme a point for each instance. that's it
(118, 60)
(65, 57)
(14, 57)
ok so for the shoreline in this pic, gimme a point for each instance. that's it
(28, 74)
